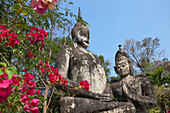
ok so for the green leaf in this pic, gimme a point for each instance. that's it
(12, 68)
(24, 12)
(11, 71)
(1, 71)
(70, 2)
(79, 87)
(3, 64)
(17, 6)
(60, 13)
(66, 13)
(15, 9)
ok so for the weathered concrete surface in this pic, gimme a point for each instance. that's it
(83, 105)
(78, 64)
(135, 89)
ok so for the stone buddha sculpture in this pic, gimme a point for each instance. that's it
(77, 64)
(135, 89)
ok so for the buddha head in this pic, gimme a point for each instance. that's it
(123, 63)
(80, 34)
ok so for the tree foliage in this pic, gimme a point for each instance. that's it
(20, 18)
(143, 53)
(163, 99)
(159, 77)
(106, 65)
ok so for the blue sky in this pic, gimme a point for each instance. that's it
(111, 22)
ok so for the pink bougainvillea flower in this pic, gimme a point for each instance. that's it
(28, 77)
(4, 32)
(34, 4)
(56, 71)
(51, 67)
(3, 93)
(27, 107)
(48, 70)
(51, 4)
(42, 70)
(34, 110)
(24, 98)
(47, 63)
(30, 92)
(30, 54)
(41, 63)
(85, 85)
(37, 66)
(15, 75)
(15, 80)
(14, 89)
(32, 83)
(35, 102)
(13, 40)
(24, 71)
(22, 90)
(38, 92)
(41, 6)
(4, 75)
(5, 83)
(37, 36)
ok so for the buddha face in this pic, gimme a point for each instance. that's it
(83, 38)
(122, 66)
(80, 35)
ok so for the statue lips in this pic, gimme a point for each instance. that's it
(85, 43)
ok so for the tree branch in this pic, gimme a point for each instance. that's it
(5, 59)
(45, 97)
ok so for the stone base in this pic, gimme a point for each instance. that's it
(83, 105)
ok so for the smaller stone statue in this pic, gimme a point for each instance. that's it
(135, 89)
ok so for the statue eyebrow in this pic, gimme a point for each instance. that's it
(121, 62)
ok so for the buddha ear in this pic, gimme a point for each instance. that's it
(74, 42)
(115, 68)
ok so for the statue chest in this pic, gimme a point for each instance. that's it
(134, 85)
(83, 58)
(85, 66)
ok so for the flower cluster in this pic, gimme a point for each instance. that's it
(36, 35)
(4, 32)
(33, 106)
(27, 91)
(5, 87)
(30, 55)
(54, 76)
(85, 84)
(12, 37)
(41, 6)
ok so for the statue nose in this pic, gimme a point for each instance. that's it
(121, 68)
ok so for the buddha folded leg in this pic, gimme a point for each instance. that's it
(122, 107)
(84, 105)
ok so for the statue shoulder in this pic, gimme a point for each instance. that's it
(66, 48)
(63, 54)
(116, 83)
(142, 79)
